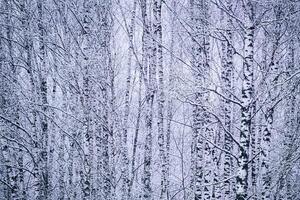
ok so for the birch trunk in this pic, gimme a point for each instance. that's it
(28, 43)
(42, 73)
(157, 30)
(135, 138)
(87, 106)
(170, 104)
(124, 148)
(107, 125)
(290, 109)
(201, 151)
(149, 82)
(226, 105)
(246, 110)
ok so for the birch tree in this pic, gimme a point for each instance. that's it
(200, 56)
(227, 84)
(247, 100)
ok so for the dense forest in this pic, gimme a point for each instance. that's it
(149, 99)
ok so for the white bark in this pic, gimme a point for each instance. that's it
(247, 100)
(126, 190)
(201, 151)
(226, 105)
(149, 77)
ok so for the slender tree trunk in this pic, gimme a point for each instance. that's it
(135, 138)
(290, 109)
(157, 30)
(150, 87)
(42, 73)
(61, 154)
(87, 101)
(33, 92)
(246, 110)
(201, 151)
(124, 148)
(107, 126)
(226, 105)
(170, 103)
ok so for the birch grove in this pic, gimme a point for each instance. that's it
(149, 99)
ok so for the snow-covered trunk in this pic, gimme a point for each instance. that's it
(256, 140)
(28, 45)
(69, 103)
(16, 108)
(4, 188)
(53, 129)
(157, 34)
(290, 118)
(107, 182)
(87, 115)
(149, 77)
(246, 109)
(170, 103)
(256, 178)
(124, 146)
(99, 148)
(101, 142)
(52, 136)
(43, 92)
(75, 150)
(253, 155)
(135, 138)
(71, 154)
(70, 179)
(148, 142)
(208, 130)
(99, 178)
(21, 178)
(113, 125)
(61, 156)
(168, 135)
(62, 185)
(196, 147)
(20, 156)
(290, 109)
(226, 105)
(216, 168)
(196, 153)
(107, 126)
(201, 151)
(265, 159)
(106, 168)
